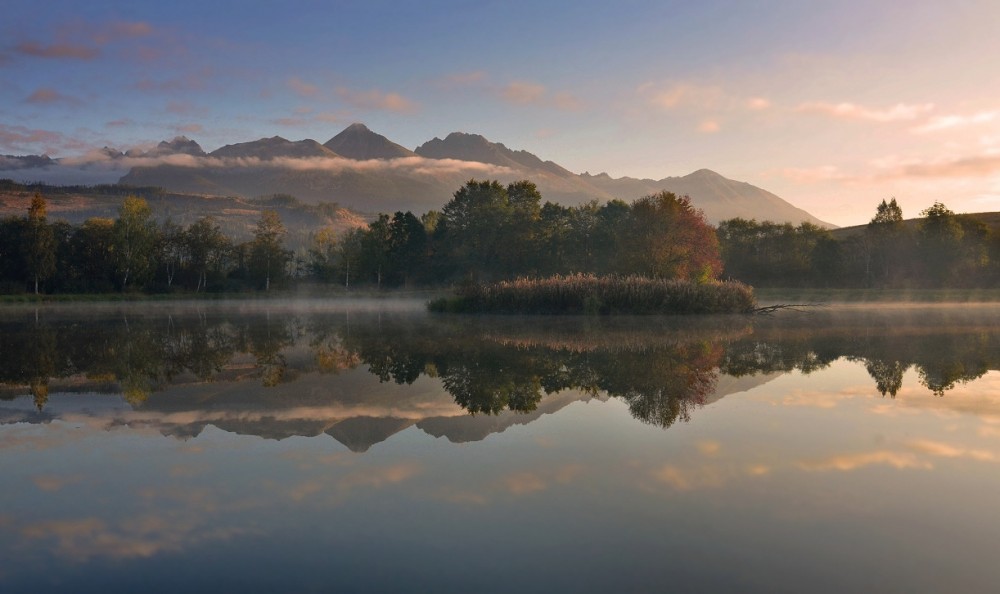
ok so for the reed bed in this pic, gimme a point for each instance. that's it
(600, 295)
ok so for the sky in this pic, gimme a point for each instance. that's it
(832, 105)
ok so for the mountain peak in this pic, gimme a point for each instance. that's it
(179, 145)
(274, 147)
(475, 147)
(358, 142)
(704, 174)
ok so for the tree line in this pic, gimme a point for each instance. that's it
(134, 252)
(659, 369)
(489, 232)
(942, 249)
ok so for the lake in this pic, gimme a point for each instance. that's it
(369, 446)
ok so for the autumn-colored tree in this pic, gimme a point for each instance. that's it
(670, 238)
(134, 241)
(322, 258)
(40, 242)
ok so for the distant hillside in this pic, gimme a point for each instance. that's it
(990, 219)
(236, 216)
(367, 172)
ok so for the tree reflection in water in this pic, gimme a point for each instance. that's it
(661, 367)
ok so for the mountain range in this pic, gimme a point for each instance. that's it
(365, 171)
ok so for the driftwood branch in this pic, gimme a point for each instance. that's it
(770, 309)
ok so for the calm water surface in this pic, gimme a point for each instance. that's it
(349, 448)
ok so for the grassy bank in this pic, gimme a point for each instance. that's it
(587, 294)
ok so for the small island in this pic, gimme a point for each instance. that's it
(590, 294)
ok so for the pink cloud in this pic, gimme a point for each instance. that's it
(83, 41)
(529, 93)
(20, 138)
(464, 78)
(976, 166)
(851, 111)
(121, 30)
(46, 95)
(682, 94)
(291, 122)
(189, 128)
(184, 108)
(189, 82)
(57, 50)
(523, 93)
(377, 100)
(302, 88)
(952, 122)
(122, 123)
(709, 126)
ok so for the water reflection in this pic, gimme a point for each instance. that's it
(768, 484)
(663, 368)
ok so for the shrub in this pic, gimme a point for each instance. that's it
(589, 294)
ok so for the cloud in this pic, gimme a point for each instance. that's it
(709, 447)
(851, 111)
(189, 128)
(709, 126)
(83, 41)
(377, 100)
(292, 122)
(523, 93)
(951, 122)
(849, 462)
(522, 483)
(682, 94)
(192, 81)
(302, 88)
(419, 166)
(680, 479)
(20, 138)
(120, 123)
(184, 108)
(57, 50)
(45, 96)
(944, 450)
(464, 78)
(121, 30)
(974, 166)
(133, 538)
(51, 483)
(330, 118)
(376, 478)
(529, 93)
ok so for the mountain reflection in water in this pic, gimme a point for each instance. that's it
(278, 373)
(851, 451)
